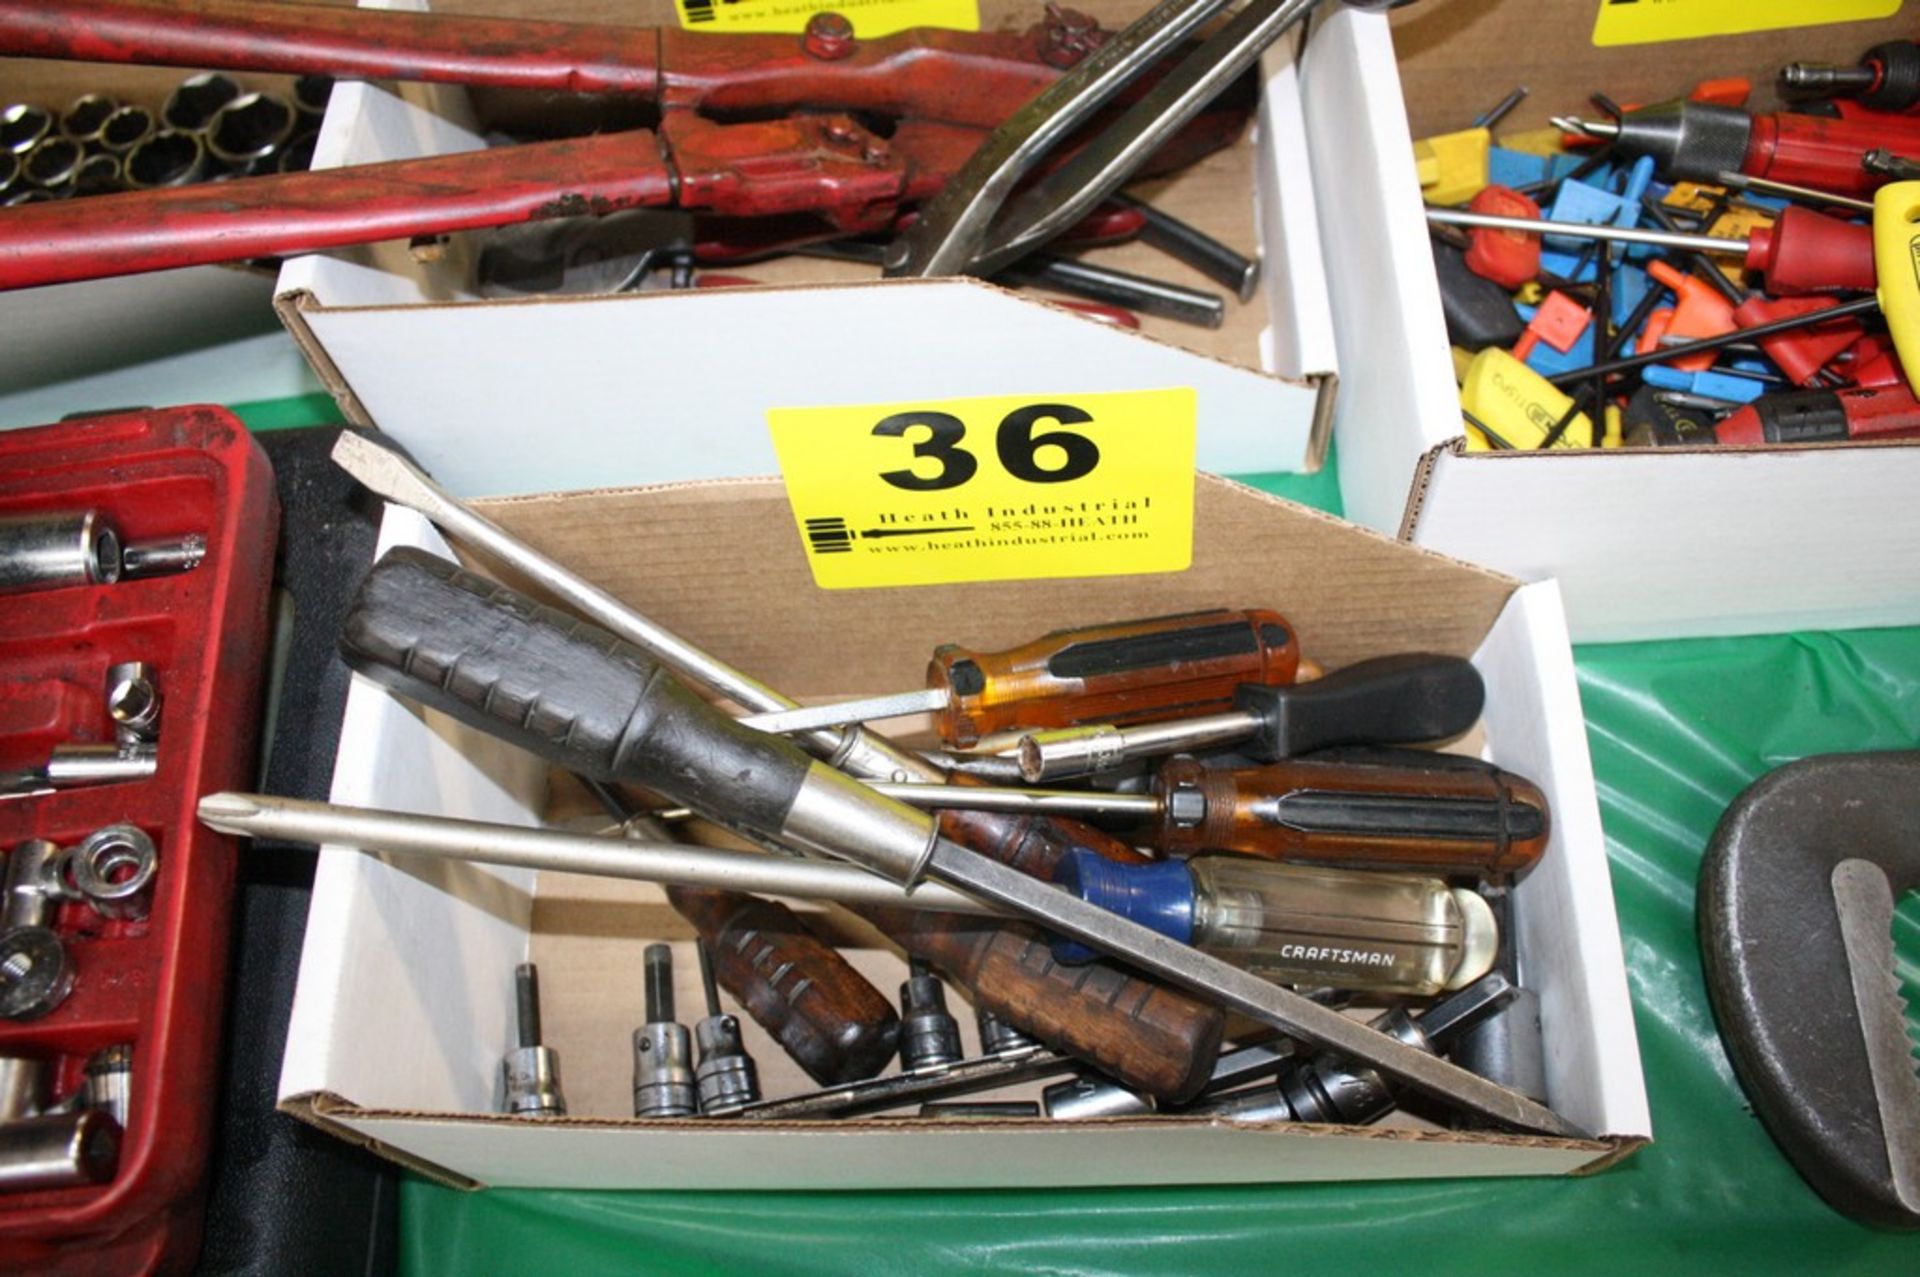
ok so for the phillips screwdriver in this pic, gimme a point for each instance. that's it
(1887, 78)
(1125, 671)
(1802, 252)
(570, 692)
(1300, 924)
(1403, 810)
(1697, 141)
(1390, 700)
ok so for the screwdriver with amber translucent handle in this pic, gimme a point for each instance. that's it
(1128, 671)
(1399, 809)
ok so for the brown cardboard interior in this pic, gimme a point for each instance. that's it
(1215, 195)
(721, 564)
(1460, 57)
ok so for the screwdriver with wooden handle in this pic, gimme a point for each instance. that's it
(1400, 809)
(832, 1020)
(1126, 671)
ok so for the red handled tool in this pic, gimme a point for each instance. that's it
(941, 92)
(1822, 416)
(1697, 141)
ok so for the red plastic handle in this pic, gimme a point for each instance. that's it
(1827, 154)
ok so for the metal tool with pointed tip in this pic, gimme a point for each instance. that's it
(576, 695)
(1796, 901)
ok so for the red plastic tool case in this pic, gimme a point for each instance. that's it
(158, 984)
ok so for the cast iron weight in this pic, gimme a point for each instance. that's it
(1795, 911)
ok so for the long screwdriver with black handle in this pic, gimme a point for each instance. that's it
(578, 696)
(1157, 1038)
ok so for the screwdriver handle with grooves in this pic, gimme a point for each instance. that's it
(577, 696)
(1122, 672)
(1170, 1038)
(1149, 1037)
(808, 997)
(1405, 699)
(1398, 809)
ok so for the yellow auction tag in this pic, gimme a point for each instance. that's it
(1002, 488)
(1656, 21)
(869, 17)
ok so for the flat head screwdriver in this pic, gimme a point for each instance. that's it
(1389, 700)
(1125, 671)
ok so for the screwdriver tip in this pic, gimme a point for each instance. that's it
(383, 471)
(227, 812)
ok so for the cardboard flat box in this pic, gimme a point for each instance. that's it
(1654, 543)
(404, 1000)
(62, 331)
(400, 339)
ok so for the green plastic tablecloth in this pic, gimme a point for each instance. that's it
(1677, 730)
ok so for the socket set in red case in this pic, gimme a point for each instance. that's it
(136, 559)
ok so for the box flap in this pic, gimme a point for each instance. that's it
(1397, 397)
(1676, 544)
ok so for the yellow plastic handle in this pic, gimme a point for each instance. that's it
(1896, 261)
(1518, 404)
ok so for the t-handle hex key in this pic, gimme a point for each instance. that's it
(578, 696)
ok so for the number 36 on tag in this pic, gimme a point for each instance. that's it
(1002, 488)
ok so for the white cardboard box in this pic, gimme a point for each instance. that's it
(405, 993)
(1646, 543)
(405, 341)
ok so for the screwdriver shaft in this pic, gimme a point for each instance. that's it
(1024, 802)
(808, 718)
(295, 820)
(1584, 230)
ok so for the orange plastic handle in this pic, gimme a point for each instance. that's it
(1129, 671)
